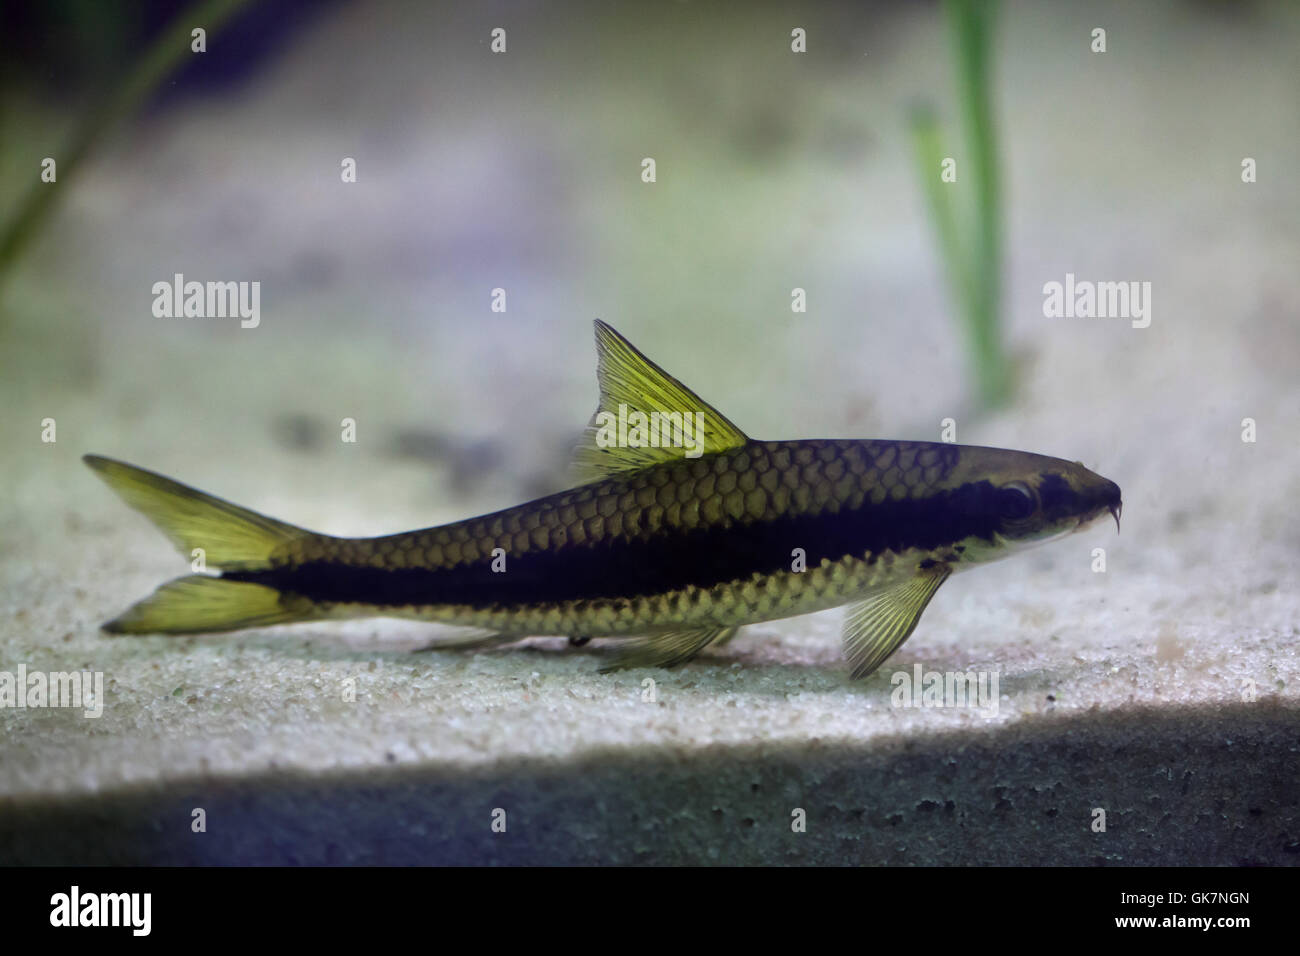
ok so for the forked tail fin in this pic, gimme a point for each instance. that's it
(232, 539)
(198, 604)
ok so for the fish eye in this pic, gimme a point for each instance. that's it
(1016, 501)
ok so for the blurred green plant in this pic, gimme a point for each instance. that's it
(970, 234)
(158, 63)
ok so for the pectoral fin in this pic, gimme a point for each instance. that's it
(876, 627)
(667, 649)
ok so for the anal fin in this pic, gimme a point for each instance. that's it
(667, 649)
(876, 627)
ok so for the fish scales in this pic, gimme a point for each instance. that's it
(687, 542)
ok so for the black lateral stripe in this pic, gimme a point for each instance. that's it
(663, 562)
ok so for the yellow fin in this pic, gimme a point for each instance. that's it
(667, 649)
(232, 538)
(200, 604)
(876, 627)
(631, 383)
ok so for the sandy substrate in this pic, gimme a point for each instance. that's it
(1164, 691)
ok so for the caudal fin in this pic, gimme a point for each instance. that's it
(200, 604)
(231, 538)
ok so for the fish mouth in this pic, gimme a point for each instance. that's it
(1089, 519)
(1105, 497)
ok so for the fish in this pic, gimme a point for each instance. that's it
(680, 531)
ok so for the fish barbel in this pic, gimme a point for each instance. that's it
(683, 530)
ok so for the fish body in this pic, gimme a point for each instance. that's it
(666, 551)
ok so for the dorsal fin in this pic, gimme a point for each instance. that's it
(645, 416)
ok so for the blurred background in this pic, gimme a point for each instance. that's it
(522, 170)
